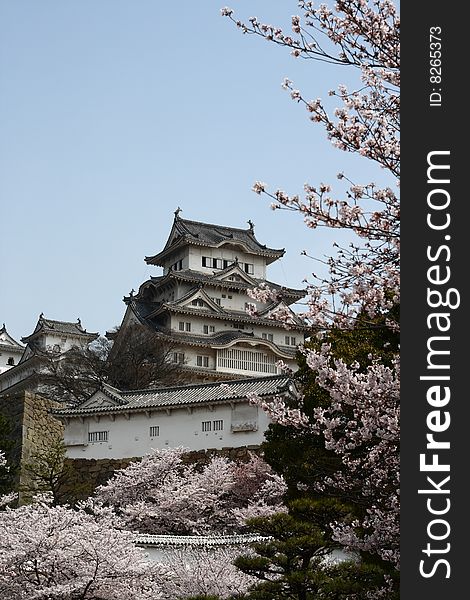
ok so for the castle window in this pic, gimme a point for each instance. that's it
(206, 261)
(97, 436)
(11, 361)
(217, 263)
(178, 357)
(227, 263)
(249, 268)
(218, 425)
(197, 302)
(206, 425)
(290, 340)
(154, 431)
(202, 361)
(267, 336)
(182, 326)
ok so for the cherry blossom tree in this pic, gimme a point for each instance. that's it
(165, 494)
(5, 499)
(205, 572)
(55, 552)
(362, 35)
(357, 419)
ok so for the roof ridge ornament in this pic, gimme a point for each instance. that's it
(177, 212)
(252, 225)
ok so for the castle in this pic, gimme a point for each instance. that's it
(228, 344)
(200, 303)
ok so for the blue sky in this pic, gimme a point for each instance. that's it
(112, 114)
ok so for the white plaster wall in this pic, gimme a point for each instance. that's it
(7, 353)
(131, 437)
(64, 341)
(196, 253)
(279, 334)
(191, 353)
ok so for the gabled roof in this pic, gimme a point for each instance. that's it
(184, 232)
(7, 342)
(188, 395)
(234, 270)
(58, 327)
(197, 294)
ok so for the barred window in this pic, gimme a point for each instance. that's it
(218, 425)
(154, 431)
(206, 425)
(97, 436)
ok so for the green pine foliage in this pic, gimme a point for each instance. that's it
(294, 564)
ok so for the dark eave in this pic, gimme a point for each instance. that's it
(224, 315)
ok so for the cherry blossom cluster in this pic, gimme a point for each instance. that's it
(165, 494)
(55, 552)
(361, 425)
(205, 572)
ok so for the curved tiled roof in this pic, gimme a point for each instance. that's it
(144, 539)
(187, 395)
(9, 343)
(225, 315)
(62, 327)
(196, 233)
(191, 276)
